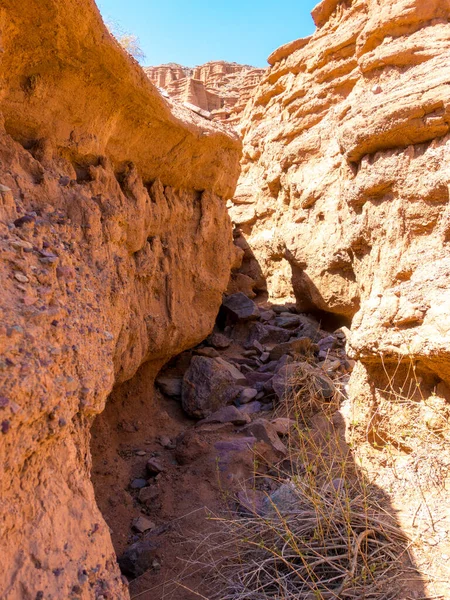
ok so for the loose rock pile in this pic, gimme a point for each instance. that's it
(234, 385)
(248, 364)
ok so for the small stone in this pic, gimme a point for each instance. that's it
(4, 401)
(258, 346)
(251, 408)
(148, 494)
(330, 365)
(5, 426)
(248, 353)
(141, 453)
(377, 89)
(208, 352)
(240, 307)
(283, 425)
(284, 500)
(219, 341)
(287, 321)
(138, 558)
(301, 345)
(255, 377)
(267, 334)
(247, 395)
(156, 565)
(227, 414)
(264, 431)
(138, 484)
(267, 315)
(25, 220)
(154, 466)
(251, 501)
(141, 524)
(239, 378)
(21, 277)
(327, 343)
(265, 357)
(166, 442)
(170, 386)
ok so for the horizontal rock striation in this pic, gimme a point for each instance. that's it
(109, 257)
(219, 87)
(344, 193)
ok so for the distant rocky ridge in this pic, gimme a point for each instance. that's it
(218, 87)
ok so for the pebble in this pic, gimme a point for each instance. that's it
(251, 408)
(154, 466)
(148, 494)
(21, 277)
(166, 442)
(258, 346)
(138, 484)
(247, 395)
(208, 352)
(142, 524)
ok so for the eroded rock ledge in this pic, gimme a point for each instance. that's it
(344, 195)
(109, 211)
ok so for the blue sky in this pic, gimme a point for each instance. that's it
(196, 31)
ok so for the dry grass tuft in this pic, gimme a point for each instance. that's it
(324, 533)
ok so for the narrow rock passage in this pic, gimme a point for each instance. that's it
(213, 437)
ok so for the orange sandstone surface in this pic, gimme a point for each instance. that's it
(110, 205)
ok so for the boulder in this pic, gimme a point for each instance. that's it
(240, 308)
(209, 384)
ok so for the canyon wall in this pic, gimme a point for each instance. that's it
(110, 206)
(344, 193)
(219, 87)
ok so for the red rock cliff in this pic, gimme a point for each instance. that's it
(109, 211)
(344, 194)
(219, 87)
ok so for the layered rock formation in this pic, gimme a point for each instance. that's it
(344, 196)
(219, 87)
(109, 211)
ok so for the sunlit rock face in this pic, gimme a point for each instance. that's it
(110, 206)
(344, 196)
(219, 87)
